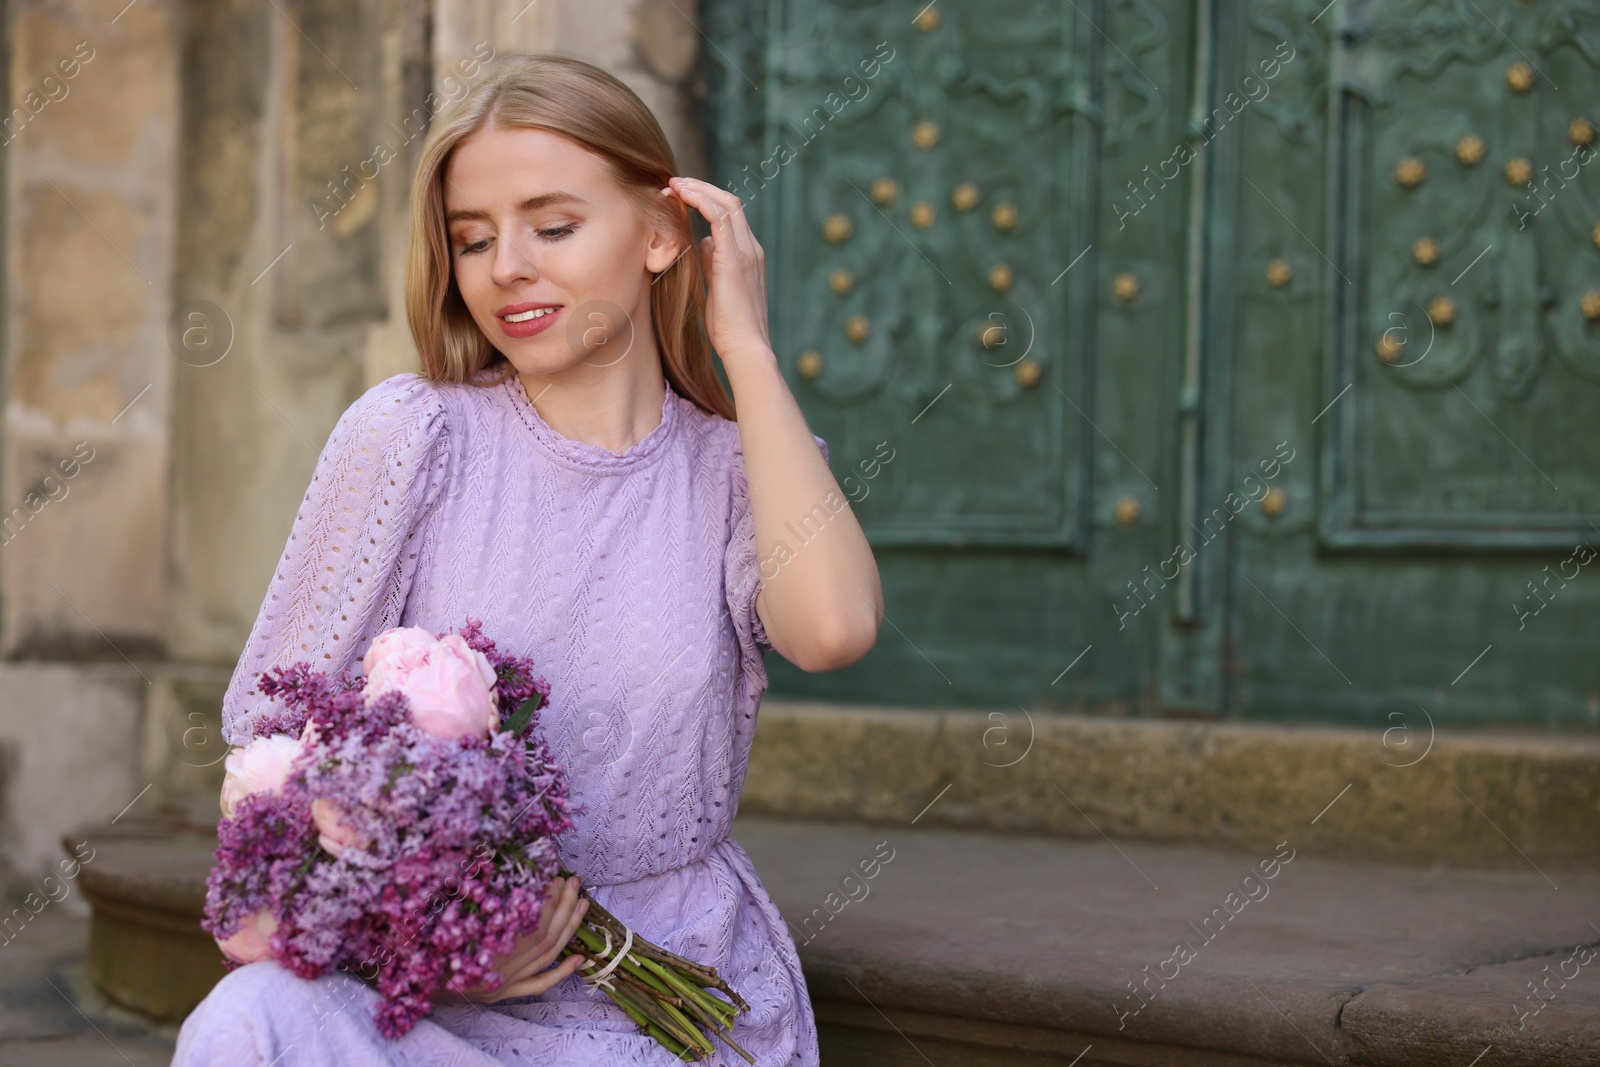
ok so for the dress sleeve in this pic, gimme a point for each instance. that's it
(347, 567)
(742, 568)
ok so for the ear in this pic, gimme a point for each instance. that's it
(661, 251)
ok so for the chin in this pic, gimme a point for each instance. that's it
(546, 353)
(549, 364)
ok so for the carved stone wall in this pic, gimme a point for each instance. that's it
(88, 142)
(205, 250)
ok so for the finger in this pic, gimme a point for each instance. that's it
(724, 211)
(551, 927)
(563, 894)
(511, 979)
(744, 236)
(543, 981)
(574, 922)
(708, 250)
(570, 914)
(537, 943)
(551, 920)
(729, 202)
(558, 944)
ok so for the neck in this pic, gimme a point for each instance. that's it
(606, 400)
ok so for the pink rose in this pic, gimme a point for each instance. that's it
(449, 684)
(333, 833)
(252, 941)
(262, 766)
(393, 655)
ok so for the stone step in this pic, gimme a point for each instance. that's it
(980, 948)
(51, 1015)
(1402, 794)
(924, 944)
(146, 886)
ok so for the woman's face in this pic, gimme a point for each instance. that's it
(537, 224)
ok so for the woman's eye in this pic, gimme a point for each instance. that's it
(555, 233)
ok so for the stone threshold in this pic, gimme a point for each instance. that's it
(926, 944)
(1406, 796)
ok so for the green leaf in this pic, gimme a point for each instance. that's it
(394, 775)
(523, 715)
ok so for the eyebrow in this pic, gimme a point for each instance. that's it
(533, 203)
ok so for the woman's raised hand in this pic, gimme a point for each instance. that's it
(735, 269)
(524, 967)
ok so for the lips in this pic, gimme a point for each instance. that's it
(527, 319)
(521, 310)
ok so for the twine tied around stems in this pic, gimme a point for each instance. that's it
(602, 977)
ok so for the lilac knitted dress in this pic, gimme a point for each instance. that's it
(631, 579)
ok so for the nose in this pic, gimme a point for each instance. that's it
(512, 261)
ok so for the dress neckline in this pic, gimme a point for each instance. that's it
(595, 458)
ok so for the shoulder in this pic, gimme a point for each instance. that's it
(717, 440)
(398, 432)
(711, 441)
(715, 454)
(402, 412)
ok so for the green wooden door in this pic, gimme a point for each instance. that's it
(1185, 359)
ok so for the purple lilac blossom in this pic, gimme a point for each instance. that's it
(458, 839)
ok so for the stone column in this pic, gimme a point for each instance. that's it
(290, 238)
(88, 142)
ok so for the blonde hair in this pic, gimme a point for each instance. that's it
(586, 104)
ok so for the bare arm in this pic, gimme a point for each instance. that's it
(820, 602)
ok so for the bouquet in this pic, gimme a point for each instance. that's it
(401, 826)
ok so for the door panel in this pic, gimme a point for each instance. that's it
(1258, 392)
(995, 523)
(1477, 433)
(915, 209)
(1430, 360)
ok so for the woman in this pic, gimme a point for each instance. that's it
(566, 468)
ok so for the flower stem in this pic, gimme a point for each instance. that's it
(651, 1027)
(684, 1034)
(707, 977)
(682, 987)
(592, 942)
(716, 1027)
(666, 994)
